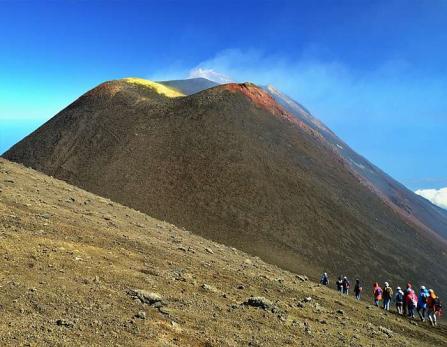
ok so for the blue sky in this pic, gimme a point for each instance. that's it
(374, 71)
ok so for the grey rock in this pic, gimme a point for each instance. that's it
(261, 302)
(386, 331)
(145, 296)
(141, 315)
(65, 323)
(209, 288)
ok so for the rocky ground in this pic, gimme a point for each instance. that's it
(80, 270)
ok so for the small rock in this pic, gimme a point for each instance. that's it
(209, 250)
(386, 331)
(340, 312)
(308, 299)
(209, 288)
(141, 315)
(259, 301)
(65, 323)
(145, 297)
(302, 278)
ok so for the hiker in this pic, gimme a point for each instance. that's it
(406, 293)
(422, 303)
(399, 298)
(324, 279)
(387, 295)
(433, 306)
(339, 284)
(411, 300)
(377, 291)
(346, 285)
(357, 289)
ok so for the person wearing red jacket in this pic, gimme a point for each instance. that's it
(411, 299)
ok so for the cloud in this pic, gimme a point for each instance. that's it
(210, 74)
(436, 196)
(332, 89)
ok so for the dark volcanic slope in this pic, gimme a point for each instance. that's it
(230, 164)
(410, 205)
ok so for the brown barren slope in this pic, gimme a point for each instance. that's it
(70, 259)
(230, 164)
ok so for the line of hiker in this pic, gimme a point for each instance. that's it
(426, 303)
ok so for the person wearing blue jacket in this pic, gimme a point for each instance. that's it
(422, 303)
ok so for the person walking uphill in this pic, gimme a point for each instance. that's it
(387, 295)
(377, 292)
(339, 284)
(324, 279)
(411, 300)
(406, 293)
(433, 306)
(422, 303)
(399, 298)
(346, 285)
(357, 289)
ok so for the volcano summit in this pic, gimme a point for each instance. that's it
(247, 167)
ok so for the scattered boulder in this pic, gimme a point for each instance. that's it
(141, 315)
(209, 250)
(340, 312)
(386, 331)
(261, 302)
(248, 262)
(209, 288)
(145, 296)
(65, 323)
(302, 278)
(44, 215)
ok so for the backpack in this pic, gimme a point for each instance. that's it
(378, 292)
(399, 297)
(437, 304)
